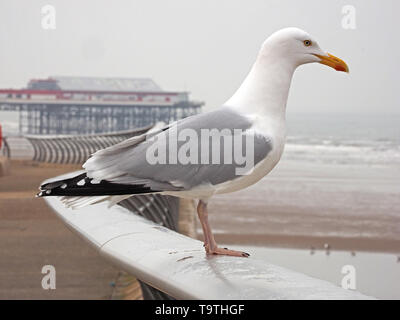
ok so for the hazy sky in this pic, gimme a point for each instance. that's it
(206, 46)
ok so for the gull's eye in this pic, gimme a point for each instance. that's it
(307, 43)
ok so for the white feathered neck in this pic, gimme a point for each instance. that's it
(265, 90)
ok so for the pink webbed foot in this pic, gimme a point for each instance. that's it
(226, 252)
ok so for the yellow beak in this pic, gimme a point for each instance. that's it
(333, 62)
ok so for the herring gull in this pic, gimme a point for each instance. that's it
(217, 152)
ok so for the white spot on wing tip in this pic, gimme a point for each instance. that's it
(177, 183)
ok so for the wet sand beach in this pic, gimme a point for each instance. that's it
(304, 205)
(31, 236)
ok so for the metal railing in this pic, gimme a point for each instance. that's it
(77, 148)
(178, 266)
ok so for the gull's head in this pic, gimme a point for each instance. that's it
(297, 47)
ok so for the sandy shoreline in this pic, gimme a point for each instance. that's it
(31, 236)
(304, 205)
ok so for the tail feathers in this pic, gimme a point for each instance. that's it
(80, 190)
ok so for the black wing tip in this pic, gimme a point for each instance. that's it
(81, 185)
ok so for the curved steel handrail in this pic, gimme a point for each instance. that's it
(178, 266)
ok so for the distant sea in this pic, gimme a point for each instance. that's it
(344, 138)
(324, 138)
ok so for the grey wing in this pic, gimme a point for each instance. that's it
(155, 160)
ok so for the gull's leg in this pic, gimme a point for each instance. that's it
(200, 212)
(209, 242)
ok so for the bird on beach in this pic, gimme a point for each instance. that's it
(247, 135)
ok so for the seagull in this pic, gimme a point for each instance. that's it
(221, 151)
